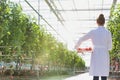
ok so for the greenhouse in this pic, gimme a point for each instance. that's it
(38, 38)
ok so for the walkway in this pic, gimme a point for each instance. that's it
(84, 76)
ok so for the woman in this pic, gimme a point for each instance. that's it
(102, 43)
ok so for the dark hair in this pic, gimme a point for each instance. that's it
(101, 19)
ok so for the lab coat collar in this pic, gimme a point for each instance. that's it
(101, 27)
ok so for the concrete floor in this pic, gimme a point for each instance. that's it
(85, 76)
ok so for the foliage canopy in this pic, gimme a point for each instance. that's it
(21, 35)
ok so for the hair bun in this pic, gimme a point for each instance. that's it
(101, 19)
(101, 16)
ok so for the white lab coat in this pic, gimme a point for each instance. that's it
(102, 42)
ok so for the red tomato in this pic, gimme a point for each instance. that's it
(90, 49)
(86, 49)
(79, 49)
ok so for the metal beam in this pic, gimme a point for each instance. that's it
(62, 10)
(83, 20)
(84, 9)
(60, 4)
(50, 6)
(112, 7)
(39, 12)
(56, 8)
(114, 2)
(74, 4)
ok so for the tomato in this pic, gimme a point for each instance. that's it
(90, 49)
